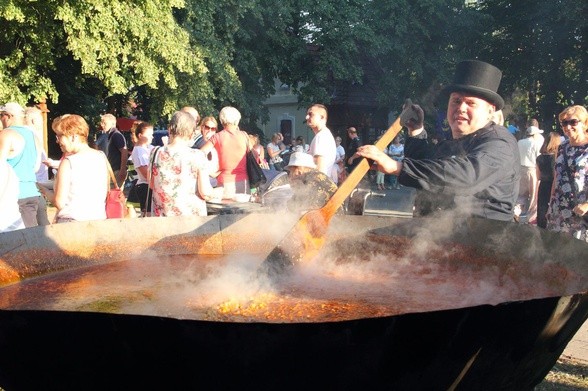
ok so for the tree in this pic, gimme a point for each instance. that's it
(414, 47)
(211, 26)
(89, 56)
(277, 40)
(541, 46)
(102, 48)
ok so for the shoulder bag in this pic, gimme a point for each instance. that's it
(254, 171)
(149, 200)
(116, 202)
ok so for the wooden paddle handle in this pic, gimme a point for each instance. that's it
(359, 172)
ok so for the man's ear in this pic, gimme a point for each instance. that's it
(491, 111)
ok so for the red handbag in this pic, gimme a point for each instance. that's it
(116, 202)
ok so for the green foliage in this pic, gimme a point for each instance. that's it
(329, 36)
(211, 26)
(541, 46)
(121, 44)
(89, 56)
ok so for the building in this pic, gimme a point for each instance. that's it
(351, 105)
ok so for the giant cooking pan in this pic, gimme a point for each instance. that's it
(389, 304)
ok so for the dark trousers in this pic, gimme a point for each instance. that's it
(144, 202)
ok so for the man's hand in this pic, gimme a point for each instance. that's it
(385, 163)
(51, 163)
(412, 116)
(49, 194)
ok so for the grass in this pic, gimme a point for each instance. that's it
(566, 375)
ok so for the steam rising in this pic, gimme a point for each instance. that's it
(406, 268)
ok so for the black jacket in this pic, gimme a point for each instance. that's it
(199, 142)
(476, 175)
(116, 141)
(354, 144)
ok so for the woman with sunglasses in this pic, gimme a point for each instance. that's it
(568, 206)
(208, 127)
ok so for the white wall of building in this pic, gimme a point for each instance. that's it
(283, 105)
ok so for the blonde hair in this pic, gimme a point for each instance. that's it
(579, 111)
(322, 109)
(192, 111)
(33, 115)
(71, 125)
(208, 119)
(34, 119)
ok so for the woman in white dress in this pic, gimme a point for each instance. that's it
(82, 180)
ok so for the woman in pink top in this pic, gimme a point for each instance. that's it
(231, 145)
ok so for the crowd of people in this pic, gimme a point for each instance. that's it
(481, 171)
(198, 162)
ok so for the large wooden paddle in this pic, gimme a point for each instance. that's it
(307, 237)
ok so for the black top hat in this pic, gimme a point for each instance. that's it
(477, 78)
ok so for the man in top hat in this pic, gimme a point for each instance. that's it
(477, 172)
(20, 148)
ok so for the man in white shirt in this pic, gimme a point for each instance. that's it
(34, 120)
(20, 148)
(529, 149)
(322, 148)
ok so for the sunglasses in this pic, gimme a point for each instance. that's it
(572, 122)
(206, 127)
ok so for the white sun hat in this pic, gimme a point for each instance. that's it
(531, 130)
(301, 159)
(13, 109)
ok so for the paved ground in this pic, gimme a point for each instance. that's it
(577, 349)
